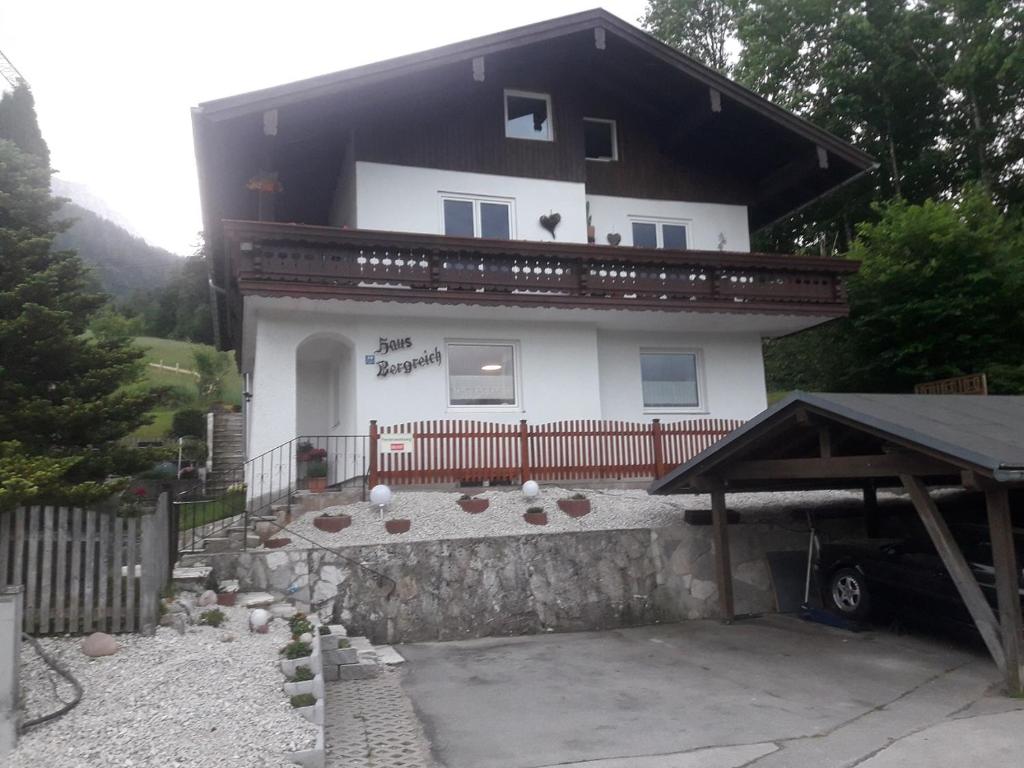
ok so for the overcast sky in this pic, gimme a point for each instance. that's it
(114, 81)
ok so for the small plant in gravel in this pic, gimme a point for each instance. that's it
(210, 582)
(299, 625)
(303, 700)
(343, 644)
(296, 649)
(212, 618)
(302, 674)
(324, 629)
(535, 510)
(578, 497)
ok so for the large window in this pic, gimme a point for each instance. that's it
(670, 379)
(599, 139)
(528, 116)
(482, 374)
(660, 234)
(476, 217)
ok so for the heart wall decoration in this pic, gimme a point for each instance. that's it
(550, 222)
(614, 238)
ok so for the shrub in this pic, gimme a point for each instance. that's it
(324, 629)
(189, 422)
(302, 674)
(343, 643)
(303, 700)
(212, 618)
(296, 649)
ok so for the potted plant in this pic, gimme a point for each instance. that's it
(591, 230)
(471, 505)
(332, 523)
(316, 476)
(536, 516)
(576, 505)
(227, 592)
(401, 525)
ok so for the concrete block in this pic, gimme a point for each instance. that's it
(10, 659)
(364, 670)
(330, 672)
(341, 656)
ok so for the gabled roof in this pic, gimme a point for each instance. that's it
(597, 18)
(979, 433)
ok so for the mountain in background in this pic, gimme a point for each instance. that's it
(124, 263)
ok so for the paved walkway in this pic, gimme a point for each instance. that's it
(371, 724)
(769, 693)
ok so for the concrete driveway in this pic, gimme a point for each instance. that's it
(772, 693)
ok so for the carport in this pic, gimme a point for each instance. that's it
(814, 441)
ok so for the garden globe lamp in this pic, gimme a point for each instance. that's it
(380, 497)
(531, 489)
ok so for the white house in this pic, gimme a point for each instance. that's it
(548, 223)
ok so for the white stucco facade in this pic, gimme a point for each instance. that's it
(311, 374)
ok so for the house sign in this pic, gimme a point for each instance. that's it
(387, 368)
(396, 443)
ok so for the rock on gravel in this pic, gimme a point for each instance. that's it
(436, 515)
(100, 644)
(166, 701)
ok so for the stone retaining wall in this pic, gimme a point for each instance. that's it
(462, 588)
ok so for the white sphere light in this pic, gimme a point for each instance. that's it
(381, 495)
(530, 489)
(259, 618)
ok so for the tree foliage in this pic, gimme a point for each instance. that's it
(700, 28)
(211, 366)
(18, 123)
(62, 406)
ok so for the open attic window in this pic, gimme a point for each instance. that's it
(600, 139)
(528, 116)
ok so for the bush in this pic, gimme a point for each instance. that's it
(302, 674)
(303, 700)
(212, 618)
(343, 643)
(176, 396)
(189, 422)
(296, 649)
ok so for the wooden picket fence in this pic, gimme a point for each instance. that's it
(86, 570)
(472, 451)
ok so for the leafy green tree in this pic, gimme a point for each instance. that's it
(18, 123)
(211, 366)
(938, 295)
(62, 401)
(700, 28)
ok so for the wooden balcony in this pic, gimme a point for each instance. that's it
(274, 259)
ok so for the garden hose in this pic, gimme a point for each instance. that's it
(57, 667)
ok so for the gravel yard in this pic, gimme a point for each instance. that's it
(436, 515)
(168, 700)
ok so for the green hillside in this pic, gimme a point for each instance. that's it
(171, 352)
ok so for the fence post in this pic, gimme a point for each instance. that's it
(374, 435)
(524, 452)
(153, 563)
(10, 650)
(659, 453)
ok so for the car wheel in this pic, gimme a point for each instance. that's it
(848, 593)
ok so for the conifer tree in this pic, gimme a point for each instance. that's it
(64, 408)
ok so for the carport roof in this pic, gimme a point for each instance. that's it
(984, 434)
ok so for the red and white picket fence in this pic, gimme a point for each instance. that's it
(473, 451)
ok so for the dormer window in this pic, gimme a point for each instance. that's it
(528, 116)
(599, 139)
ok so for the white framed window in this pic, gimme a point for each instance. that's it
(669, 234)
(672, 380)
(528, 116)
(483, 375)
(600, 139)
(472, 216)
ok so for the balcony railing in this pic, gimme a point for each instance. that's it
(325, 262)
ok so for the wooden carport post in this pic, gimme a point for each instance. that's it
(957, 566)
(723, 562)
(1004, 560)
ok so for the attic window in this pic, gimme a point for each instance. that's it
(599, 139)
(528, 116)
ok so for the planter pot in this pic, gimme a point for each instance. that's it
(397, 526)
(275, 543)
(591, 234)
(474, 506)
(317, 484)
(226, 598)
(574, 507)
(536, 518)
(332, 523)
